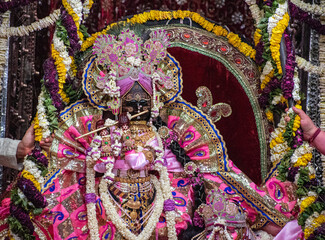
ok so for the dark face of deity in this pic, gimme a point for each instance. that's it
(137, 100)
(100, 124)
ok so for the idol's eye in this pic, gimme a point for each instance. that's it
(143, 102)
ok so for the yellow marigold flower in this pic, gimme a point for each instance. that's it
(37, 129)
(44, 152)
(269, 115)
(298, 106)
(307, 202)
(58, 60)
(73, 66)
(233, 39)
(303, 160)
(276, 39)
(30, 177)
(278, 140)
(312, 176)
(267, 79)
(316, 223)
(296, 123)
(219, 31)
(91, 2)
(308, 232)
(257, 36)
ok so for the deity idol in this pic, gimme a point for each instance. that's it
(136, 161)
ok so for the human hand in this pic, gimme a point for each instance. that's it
(26, 145)
(307, 125)
(46, 143)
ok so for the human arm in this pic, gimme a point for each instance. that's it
(26, 145)
(12, 152)
(8, 152)
(309, 129)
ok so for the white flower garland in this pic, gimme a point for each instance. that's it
(296, 86)
(309, 67)
(4, 48)
(276, 99)
(91, 158)
(120, 224)
(31, 167)
(310, 222)
(62, 50)
(278, 152)
(300, 151)
(42, 119)
(277, 16)
(86, 6)
(77, 8)
(165, 183)
(35, 26)
(257, 13)
(280, 149)
(310, 8)
(266, 70)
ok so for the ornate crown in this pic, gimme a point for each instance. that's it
(119, 61)
(219, 210)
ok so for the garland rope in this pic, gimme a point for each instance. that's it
(35, 26)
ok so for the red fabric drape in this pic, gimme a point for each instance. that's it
(238, 130)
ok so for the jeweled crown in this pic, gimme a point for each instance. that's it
(121, 54)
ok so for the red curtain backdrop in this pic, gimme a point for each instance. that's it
(238, 130)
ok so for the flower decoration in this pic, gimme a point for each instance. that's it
(27, 200)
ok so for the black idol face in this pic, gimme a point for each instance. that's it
(135, 101)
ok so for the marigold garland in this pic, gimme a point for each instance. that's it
(37, 129)
(307, 202)
(303, 160)
(156, 15)
(269, 115)
(277, 140)
(317, 223)
(257, 36)
(275, 40)
(75, 17)
(267, 79)
(73, 66)
(61, 73)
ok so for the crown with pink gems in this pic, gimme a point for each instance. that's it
(122, 54)
(121, 60)
(219, 210)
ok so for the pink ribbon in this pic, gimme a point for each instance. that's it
(127, 83)
(136, 160)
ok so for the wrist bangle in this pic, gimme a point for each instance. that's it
(310, 140)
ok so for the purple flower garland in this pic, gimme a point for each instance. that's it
(287, 84)
(272, 85)
(41, 158)
(51, 83)
(5, 6)
(22, 217)
(318, 231)
(71, 28)
(31, 193)
(303, 16)
(259, 52)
